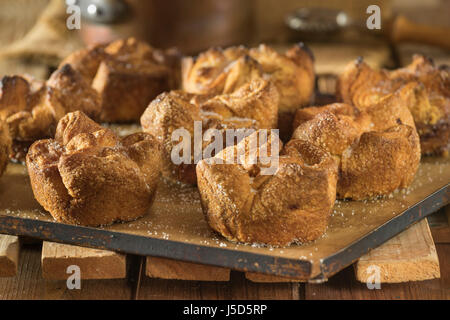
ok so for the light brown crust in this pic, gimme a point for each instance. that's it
(379, 163)
(67, 88)
(423, 87)
(89, 176)
(127, 74)
(294, 204)
(112, 83)
(376, 154)
(21, 109)
(253, 105)
(32, 108)
(292, 72)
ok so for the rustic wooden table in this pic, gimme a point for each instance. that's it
(29, 284)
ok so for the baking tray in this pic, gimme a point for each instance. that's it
(175, 227)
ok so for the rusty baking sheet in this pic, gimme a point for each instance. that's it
(175, 227)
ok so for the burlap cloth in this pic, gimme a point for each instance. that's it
(34, 36)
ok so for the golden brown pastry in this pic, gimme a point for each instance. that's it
(32, 108)
(5, 146)
(89, 176)
(424, 88)
(253, 105)
(375, 156)
(127, 74)
(293, 204)
(293, 75)
(217, 71)
(379, 163)
(391, 110)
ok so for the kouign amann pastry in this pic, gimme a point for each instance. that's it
(127, 74)
(291, 72)
(388, 112)
(375, 157)
(291, 204)
(89, 176)
(424, 87)
(32, 108)
(253, 105)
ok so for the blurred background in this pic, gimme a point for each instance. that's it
(34, 36)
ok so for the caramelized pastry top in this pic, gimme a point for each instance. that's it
(89, 176)
(292, 204)
(218, 71)
(253, 105)
(32, 108)
(127, 74)
(423, 87)
(377, 150)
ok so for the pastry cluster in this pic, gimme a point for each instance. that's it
(292, 73)
(109, 83)
(425, 88)
(233, 88)
(366, 145)
(254, 105)
(87, 175)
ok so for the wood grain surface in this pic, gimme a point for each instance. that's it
(9, 255)
(178, 270)
(237, 288)
(410, 256)
(29, 283)
(93, 263)
(267, 278)
(345, 286)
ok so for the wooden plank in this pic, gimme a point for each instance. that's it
(344, 285)
(9, 255)
(267, 278)
(29, 283)
(178, 270)
(111, 289)
(93, 263)
(410, 256)
(393, 258)
(237, 288)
